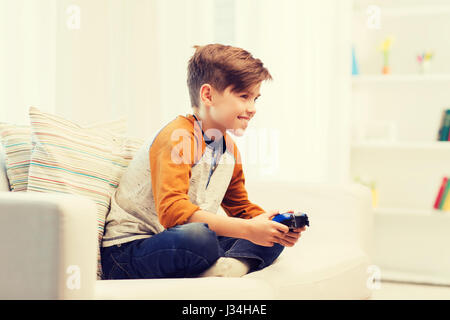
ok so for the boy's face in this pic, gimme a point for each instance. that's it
(232, 111)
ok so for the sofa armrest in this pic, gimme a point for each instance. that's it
(48, 245)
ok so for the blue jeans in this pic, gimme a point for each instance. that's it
(183, 251)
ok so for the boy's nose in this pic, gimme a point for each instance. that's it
(251, 110)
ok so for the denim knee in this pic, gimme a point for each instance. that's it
(277, 250)
(199, 238)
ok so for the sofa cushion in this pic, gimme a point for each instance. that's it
(68, 158)
(331, 271)
(318, 271)
(16, 141)
(319, 266)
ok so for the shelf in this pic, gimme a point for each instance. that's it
(412, 212)
(399, 78)
(415, 11)
(410, 236)
(401, 276)
(420, 146)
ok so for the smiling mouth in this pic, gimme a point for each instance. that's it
(243, 118)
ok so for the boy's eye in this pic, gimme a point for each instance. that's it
(246, 97)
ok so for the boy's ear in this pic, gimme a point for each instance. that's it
(206, 94)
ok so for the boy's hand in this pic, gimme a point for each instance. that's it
(291, 238)
(265, 232)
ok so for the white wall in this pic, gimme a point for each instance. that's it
(130, 58)
(27, 56)
(306, 46)
(109, 67)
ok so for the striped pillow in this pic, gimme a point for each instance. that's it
(16, 140)
(68, 158)
(4, 182)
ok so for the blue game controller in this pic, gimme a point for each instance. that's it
(292, 220)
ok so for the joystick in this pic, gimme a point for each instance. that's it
(292, 220)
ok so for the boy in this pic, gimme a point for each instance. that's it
(163, 221)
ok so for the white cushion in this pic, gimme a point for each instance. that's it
(337, 212)
(301, 272)
(318, 272)
(317, 267)
(329, 261)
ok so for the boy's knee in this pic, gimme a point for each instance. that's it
(197, 231)
(276, 250)
(197, 235)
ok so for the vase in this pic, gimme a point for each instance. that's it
(425, 66)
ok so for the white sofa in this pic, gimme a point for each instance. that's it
(48, 245)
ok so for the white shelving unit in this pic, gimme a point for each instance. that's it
(400, 79)
(413, 146)
(411, 11)
(408, 163)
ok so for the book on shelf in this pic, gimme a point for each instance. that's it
(444, 127)
(445, 196)
(446, 202)
(440, 193)
(442, 201)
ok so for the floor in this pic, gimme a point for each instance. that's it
(410, 291)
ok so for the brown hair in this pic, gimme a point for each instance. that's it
(221, 66)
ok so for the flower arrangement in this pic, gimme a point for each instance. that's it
(385, 48)
(424, 60)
